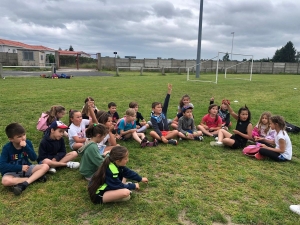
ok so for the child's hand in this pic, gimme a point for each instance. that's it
(137, 186)
(190, 136)
(236, 132)
(25, 168)
(263, 146)
(212, 99)
(23, 143)
(170, 87)
(145, 180)
(133, 130)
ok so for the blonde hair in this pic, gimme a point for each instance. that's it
(259, 124)
(130, 112)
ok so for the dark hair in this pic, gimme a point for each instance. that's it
(52, 113)
(280, 121)
(71, 115)
(111, 104)
(133, 104)
(95, 129)
(245, 108)
(102, 116)
(210, 107)
(88, 99)
(155, 104)
(98, 179)
(14, 129)
(181, 100)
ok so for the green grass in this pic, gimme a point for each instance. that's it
(192, 183)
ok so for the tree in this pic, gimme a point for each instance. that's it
(59, 49)
(286, 54)
(226, 57)
(71, 48)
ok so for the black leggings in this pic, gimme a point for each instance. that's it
(271, 154)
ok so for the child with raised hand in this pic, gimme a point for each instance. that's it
(242, 132)
(283, 146)
(91, 158)
(141, 124)
(77, 127)
(106, 119)
(85, 109)
(127, 129)
(211, 123)
(262, 132)
(159, 121)
(52, 149)
(185, 100)
(106, 184)
(16, 169)
(186, 125)
(223, 112)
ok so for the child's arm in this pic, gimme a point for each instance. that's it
(234, 115)
(281, 149)
(79, 139)
(92, 113)
(5, 159)
(62, 151)
(28, 148)
(166, 102)
(227, 120)
(180, 122)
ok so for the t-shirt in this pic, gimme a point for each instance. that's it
(211, 122)
(126, 126)
(78, 131)
(115, 116)
(288, 144)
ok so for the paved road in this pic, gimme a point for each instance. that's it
(74, 72)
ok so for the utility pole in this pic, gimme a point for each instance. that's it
(199, 40)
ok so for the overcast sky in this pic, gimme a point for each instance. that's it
(153, 28)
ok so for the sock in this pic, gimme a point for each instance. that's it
(141, 129)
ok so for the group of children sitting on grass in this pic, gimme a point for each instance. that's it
(94, 133)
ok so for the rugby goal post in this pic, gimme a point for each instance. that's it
(193, 68)
(225, 69)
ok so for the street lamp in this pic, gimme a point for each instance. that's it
(232, 44)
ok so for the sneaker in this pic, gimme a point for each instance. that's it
(17, 189)
(149, 123)
(144, 142)
(199, 138)
(295, 209)
(215, 136)
(152, 144)
(42, 179)
(216, 143)
(173, 142)
(52, 170)
(73, 165)
(180, 139)
(259, 156)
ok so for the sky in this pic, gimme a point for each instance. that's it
(154, 28)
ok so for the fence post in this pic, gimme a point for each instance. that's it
(1, 70)
(99, 66)
(179, 70)
(284, 68)
(273, 68)
(298, 68)
(141, 71)
(163, 71)
(117, 71)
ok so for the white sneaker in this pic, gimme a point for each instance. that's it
(216, 138)
(73, 165)
(295, 209)
(52, 170)
(216, 143)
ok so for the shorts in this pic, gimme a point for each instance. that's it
(99, 197)
(21, 173)
(164, 133)
(238, 143)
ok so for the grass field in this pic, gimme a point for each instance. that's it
(192, 183)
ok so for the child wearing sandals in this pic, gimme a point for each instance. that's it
(283, 146)
(242, 132)
(127, 129)
(52, 149)
(106, 184)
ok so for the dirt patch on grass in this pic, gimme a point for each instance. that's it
(228, 223)
(183, 220)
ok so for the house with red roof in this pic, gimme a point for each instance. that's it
(74, 53)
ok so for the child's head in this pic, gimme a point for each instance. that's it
(96, 131)
(187, 110)
(213, 111)
(57, 130)
(130, 115)
(277, 122)
(184, 100)
(264, 118)
(104, 118)
(224, 106)
(55, 113)
(244, 114)
(157, 108)
(112, 107)
(134, 105)
(119, 156)
(75, 117)
(15, 131)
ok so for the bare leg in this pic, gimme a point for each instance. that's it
(172, 134)
(116, 195)
(76, 146)
(63, 162)
(204, 131)
(9, 180)
(136, 137)
(154, 135)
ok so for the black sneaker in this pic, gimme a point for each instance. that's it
(17, 189)
(199, 138)
(144, 142)
(173, 142)
(42, 179)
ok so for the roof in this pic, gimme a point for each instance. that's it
(24, 46)
(62, 52)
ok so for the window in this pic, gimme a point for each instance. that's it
(14, 50)
(28, 56)
(42, 57)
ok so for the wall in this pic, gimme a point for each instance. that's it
(36, 59)
(8, 59)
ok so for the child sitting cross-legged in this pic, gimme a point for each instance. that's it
(15, 167)
(52, 149)
(186, 125)
(127, 129)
